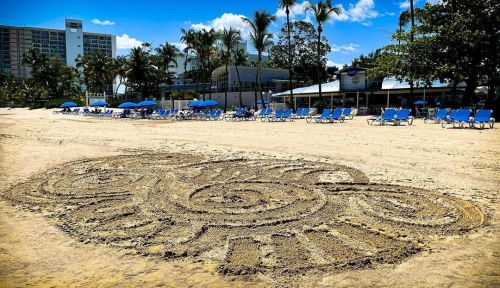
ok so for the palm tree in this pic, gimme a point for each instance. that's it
(322, 13)
(206, 48)
(120, 64)
(287, 4)
(230, 39)
(240, 59)
(261, 39)
(188, 39)
(98, 70)
(168, 54)
(142, 74)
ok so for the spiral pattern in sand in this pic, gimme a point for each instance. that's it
(249, 215)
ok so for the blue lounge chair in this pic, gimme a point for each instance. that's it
(441, 115)
(336, 115)
(482, 117)
(402, 115)
(388, 115)
(347, 113)
(277, 115)
(457, 118)
(265, 112)
(301, 113)
(298, 113)
(287, 115)
(215, 115)
(321, 118)
(305, 112)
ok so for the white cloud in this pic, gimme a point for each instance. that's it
(345, 48)
(364, 9)
(227, 20)
(102, 22)
(180, 46)
(367, 24)
(358, 12)
(404, 4)
(126, 42)
(296, 10)
(330, 63)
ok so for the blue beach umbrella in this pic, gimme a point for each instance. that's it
(209, 103)
(68, 105)
(420, 102)
(127, 105)
(146, 103)
(260, 102)
(99, 104)
(195, 104)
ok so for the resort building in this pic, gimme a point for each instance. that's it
(67, 43)
(354, 89)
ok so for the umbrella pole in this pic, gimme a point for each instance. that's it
(388, 98)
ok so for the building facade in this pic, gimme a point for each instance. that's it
(68, 44)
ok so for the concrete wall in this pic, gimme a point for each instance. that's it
(233, 98)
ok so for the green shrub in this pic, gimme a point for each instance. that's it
(54, 103)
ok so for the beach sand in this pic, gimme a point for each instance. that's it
(458, 167)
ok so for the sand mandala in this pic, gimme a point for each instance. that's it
(247, 215)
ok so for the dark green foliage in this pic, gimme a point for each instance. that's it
(304, 51)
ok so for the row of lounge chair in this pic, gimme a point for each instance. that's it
(461, 117)
(391, 115)
(330, 116)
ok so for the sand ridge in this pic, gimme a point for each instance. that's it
(249, 215)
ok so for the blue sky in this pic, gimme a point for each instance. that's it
(363, 26)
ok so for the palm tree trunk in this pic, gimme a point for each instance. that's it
(239, 85)
(118, 87)
(227, 87)
(209, 79)
(260, 79)
(204, 80)
(318, 61)
(290, 85)
(412, 97)
(184, 76)
(256, 86)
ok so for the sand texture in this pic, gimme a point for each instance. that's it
(118, 202)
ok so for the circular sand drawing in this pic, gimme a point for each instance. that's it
(247, 215)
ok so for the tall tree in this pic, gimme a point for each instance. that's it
(120, 65)
(287, 4)
(97, 70)
(261, 39)
(207, 40)
(304, 52)
(188, 38)
(240, 59)
(322, 12)
(142, 75)
(230, 39)
(37, 62)
(168, 54)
